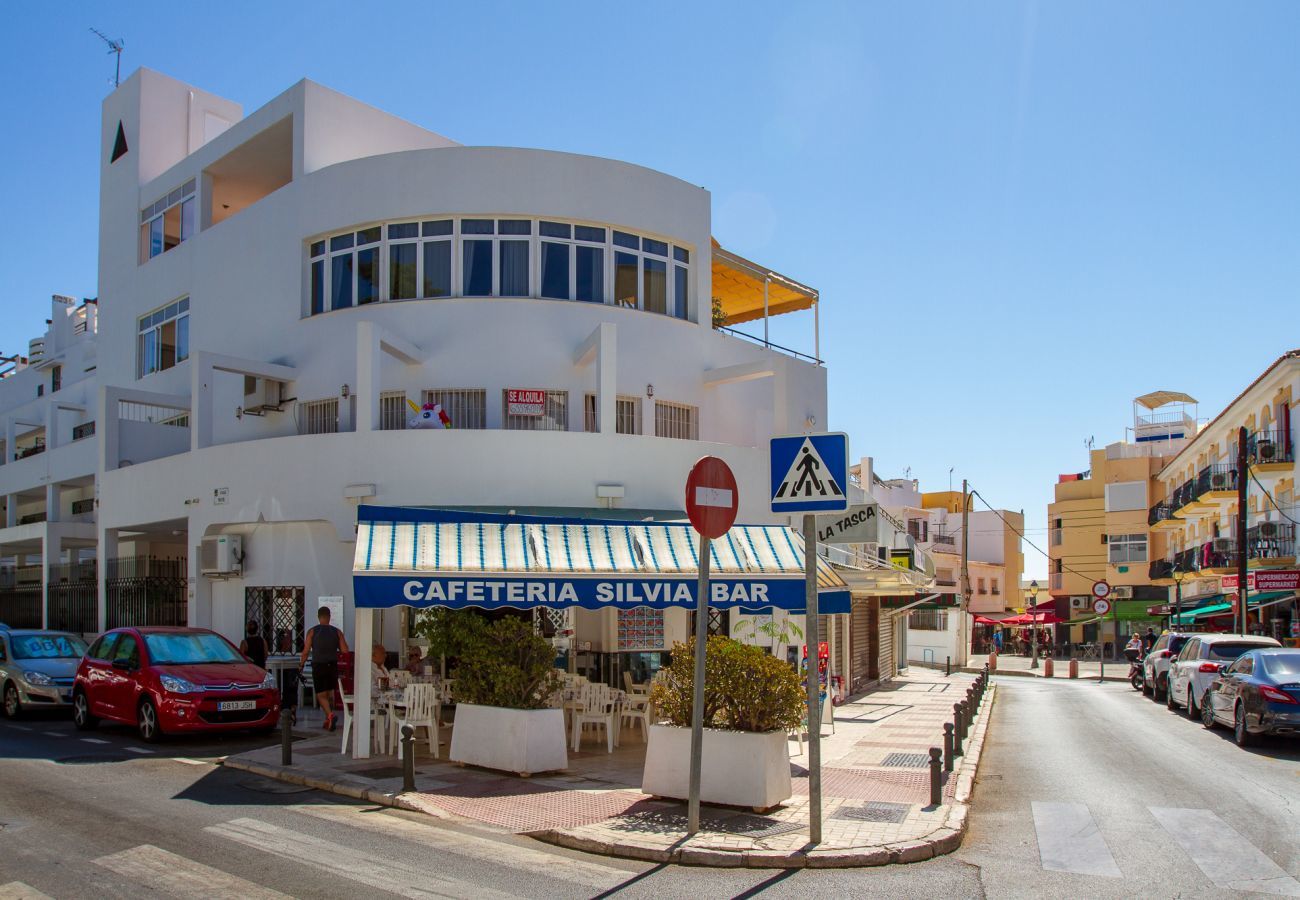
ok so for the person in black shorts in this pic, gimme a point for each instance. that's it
(253, 646)
(324, 643)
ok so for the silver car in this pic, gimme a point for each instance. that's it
(37, 669)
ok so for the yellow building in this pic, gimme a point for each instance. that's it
(1099, 530)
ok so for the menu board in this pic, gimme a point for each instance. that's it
(640, 628)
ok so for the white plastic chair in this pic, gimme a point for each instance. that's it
(636, 711)
(597, 708)
(378, 734)
(421, 701)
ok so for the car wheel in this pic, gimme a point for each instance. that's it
(81, 716)
(1207, 712)
(1158, 692)
(146, 722)
(1170, 696)
(1193, 711)
(1146, 685)
(13, 705)
(1243, 736)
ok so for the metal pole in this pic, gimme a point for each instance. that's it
(936, 776)
(1178, 602)
(408, 758)
(947, 746)
(814, 681)
(286, 738)
(1243, 468)
(766, 281)
(697, 705)
(963, 641)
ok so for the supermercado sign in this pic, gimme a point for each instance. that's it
(497, 592)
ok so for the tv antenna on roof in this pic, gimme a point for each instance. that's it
(114, 46)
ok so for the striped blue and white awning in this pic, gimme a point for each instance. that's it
(422, 557)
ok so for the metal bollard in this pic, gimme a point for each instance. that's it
(1074, 667)
(936, 777)
(286, 738)
(947, 666)
(992, 664)
(947, 746)
(408, 758)
(1048, 668)
(956, 729)
(966, 715)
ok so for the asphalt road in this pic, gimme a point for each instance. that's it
(83, 819)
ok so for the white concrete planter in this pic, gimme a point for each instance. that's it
(740, 768)
(525, 741)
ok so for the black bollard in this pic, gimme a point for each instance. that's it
(947, 666)
(966, 713)
(286, 738)
(408, 759)
(947, 746)
(956, 728)
(936, 777)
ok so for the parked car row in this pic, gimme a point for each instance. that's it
(1247, 682)
(159, 680)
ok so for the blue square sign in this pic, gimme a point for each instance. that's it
(810, 473)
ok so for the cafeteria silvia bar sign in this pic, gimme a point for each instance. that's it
(387, 591)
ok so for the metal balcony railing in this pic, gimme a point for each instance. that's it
(1217, 477)
(1269, 446)
(1270, 540)
(1160, 568)
(1161, 512)
(1186, 560)
(1183, 494)
(1220, 553)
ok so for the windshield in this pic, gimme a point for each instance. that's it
(1282, 663)
(1176, 644)
(183, 649)
(47, 646)
(1229, 651)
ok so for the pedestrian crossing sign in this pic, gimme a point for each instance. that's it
(810, 473)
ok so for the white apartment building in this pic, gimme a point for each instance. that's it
(277, 288)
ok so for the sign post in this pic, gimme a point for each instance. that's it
(1101, 606)
(809, 473)
(711, 503)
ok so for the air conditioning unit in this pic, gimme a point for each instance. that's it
(1080, 603)
(1266, 450)
(1223, 545)
(221, 554)
(1219, 481)
(1123, 592)
(1268, 529)
(260, 395)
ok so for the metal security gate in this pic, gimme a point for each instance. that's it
(860, 644)
(278, 613)
(885, 666)
(20, 596)
(146, 590)
(74, 598)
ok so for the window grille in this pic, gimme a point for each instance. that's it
(130, 411)
(319, 416)
(85, 429)
(392, 411)
(676, 420)
(466, 407)
(278, 613)
(627, 415)
(83, 506)
(928, 620)
(554, 417)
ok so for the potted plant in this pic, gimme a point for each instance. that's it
(751, 701)
(505, 677)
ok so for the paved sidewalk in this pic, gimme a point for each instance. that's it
(875, 790)
(1019, 665)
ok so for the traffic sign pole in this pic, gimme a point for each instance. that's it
(813, 640)
(697, 703)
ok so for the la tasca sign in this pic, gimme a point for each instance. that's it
(859, 524)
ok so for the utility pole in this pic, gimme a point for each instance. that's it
(962, 651)
(1243, 467)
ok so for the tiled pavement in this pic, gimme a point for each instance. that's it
(875, 790)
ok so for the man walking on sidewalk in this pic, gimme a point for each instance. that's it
(324, 643)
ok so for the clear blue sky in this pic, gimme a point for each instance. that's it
(1019, 215)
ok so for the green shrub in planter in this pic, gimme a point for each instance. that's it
(745, 689)
(506, 663)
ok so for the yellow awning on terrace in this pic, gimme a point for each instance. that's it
(738, 283)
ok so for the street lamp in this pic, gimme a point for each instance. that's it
(1179, 575)
(1031, 599)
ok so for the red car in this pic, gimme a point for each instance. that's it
(172, 680)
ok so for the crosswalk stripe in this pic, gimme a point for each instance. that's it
(191, 762)
(19, 728)
(94, 741)
(176, 876)
(1069, 841)
(1223, 854)
(138, 750)
(396, 877)
(471, 846)
(55, 733)
(16, 890)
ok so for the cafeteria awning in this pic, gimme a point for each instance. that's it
(428, 557)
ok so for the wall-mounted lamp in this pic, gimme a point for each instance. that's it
(649, 390)
(345, 391)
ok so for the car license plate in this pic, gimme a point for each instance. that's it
(232, 705)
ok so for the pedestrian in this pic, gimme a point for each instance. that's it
(379, 676)
(415, 660)
(253, 646)
(1135, 643)
(1149, 640)
(324, 642)
(997, 641)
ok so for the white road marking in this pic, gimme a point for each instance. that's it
(1069, 841)
(191, 762)
(16, 890)
(138, 750)
(1223, 854)
(415, 880)
(94, 740)
(19, 728)
(183, 878)
(470, 846)
(56, 733)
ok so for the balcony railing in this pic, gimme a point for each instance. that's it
(1270, 540)
(1269, 446)
(1217, 477)
(84, 430)
(1220, 553)
(1186, 560)
(35, 449)
(1160, 568)
(1161, 512)
(1183, 494)
(949, 539)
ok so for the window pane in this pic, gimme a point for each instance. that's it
(167, 345)
(625, 279)
(155, 237)
(317, 248)
(341, 281)
(623, 239)
(182, 338)
(659, 248)
(681, 254)
(680, 292)
(654, 293)
(477, 266)
(591, 274)
(437, 269)
(144, 243)
(318, 287)
(150, 351)
(555, 271)
(555, 229)
(341, 242)
(476, 226)
(514, 226)
(187, 219)
(404, 230)
(367, 235)
(587, 233)
(367, 275)
(401, 271)
(435, 229)
(514, 268)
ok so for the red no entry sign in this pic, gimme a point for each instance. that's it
(711, 497)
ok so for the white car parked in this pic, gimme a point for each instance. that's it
(1199, 663)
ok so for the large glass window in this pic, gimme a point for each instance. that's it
(514, 268)
(625, 279)
(477, 264)
(437, 269)
(1126, 548)
(168, 221)
(654, 291)
(555, 270)
(403, 265)
(163, 338)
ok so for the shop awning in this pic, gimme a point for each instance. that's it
(426, 557)
(1209, 611)
(738, 284)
